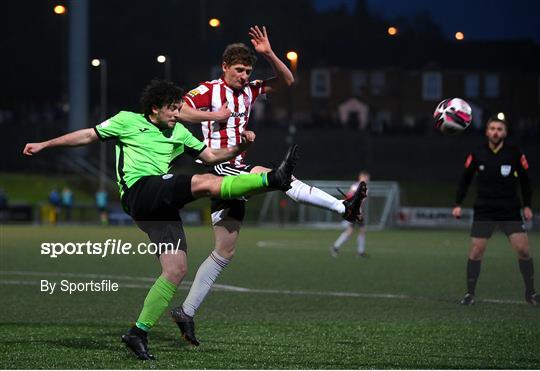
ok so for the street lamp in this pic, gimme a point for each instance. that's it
(292, 56)
(459, 36)
(392, 31)
(102, 64)
(59, 9)
(214, 22)
(166, 60)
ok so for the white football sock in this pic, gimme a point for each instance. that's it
(343, 237)
(305, 194)
(361, 244)
(204, 279)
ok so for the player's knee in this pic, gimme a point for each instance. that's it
(226, 252)
(205, 184)
(477, 251)
(175, 274)
(523, 252)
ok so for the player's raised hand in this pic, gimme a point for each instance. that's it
(259, 39)
(32, 148)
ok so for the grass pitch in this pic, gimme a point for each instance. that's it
(283, 303)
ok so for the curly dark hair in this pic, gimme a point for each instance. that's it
(160, 93)
(239, 53)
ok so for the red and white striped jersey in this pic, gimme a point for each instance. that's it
(210, 96)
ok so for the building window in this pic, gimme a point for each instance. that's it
(320, 83)
(491, 85)
(377, 83)
(472, 85)
(431, 86)
(358, 83)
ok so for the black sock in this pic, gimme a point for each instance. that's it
(137, 331)
(271, 178)
(473, 271)
(526, 268)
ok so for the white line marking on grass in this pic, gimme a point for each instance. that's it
(219, 287)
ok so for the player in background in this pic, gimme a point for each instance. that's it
(239, 93)
(146, 144)
(498, 167)
(363, 176)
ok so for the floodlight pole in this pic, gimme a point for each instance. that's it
(103, 117)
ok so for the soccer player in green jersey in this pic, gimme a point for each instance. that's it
(145, 146)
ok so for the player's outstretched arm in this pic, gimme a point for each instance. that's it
(212, 156)
(192, 115)
(261, 43)
(76, 138)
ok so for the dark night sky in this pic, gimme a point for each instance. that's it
(478, 19)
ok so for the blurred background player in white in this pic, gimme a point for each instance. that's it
(235, 92)
(363, 176)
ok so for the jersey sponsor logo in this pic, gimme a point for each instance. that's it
(104, 124)
(524, 162)
(142, 130)
(506, 170)
(238, 114)
(468, 161)
(199, 90)
(167, 176)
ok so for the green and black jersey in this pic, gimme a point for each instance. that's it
(142, 148)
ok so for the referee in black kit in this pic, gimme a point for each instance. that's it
(498, 167)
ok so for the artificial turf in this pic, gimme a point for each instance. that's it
(283, 303)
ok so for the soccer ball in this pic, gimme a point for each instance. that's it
(452, 116)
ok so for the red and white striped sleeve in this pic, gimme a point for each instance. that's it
(257, 88)
(200, 97)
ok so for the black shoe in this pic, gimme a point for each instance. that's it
(281, 177)
(138, 345)
(334, 251)
(533, 299)
(185, 324)
(353, 205)
(468, 299)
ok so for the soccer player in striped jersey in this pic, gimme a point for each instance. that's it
(146, 144)
(239, 93)
(363, 176)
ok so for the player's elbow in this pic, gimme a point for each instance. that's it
(289, 81)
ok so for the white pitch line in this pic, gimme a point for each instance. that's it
(218, 287)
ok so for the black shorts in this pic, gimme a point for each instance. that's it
(235, 209)
(487, 218)
(154, 202)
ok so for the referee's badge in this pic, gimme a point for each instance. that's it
(505, 170)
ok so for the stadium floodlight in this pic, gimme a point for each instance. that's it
(392, 31)
(501, 116)
(292, 56)
(59, 9)
(459, 36)
(166, 61)
(96, 62)
(214, 22)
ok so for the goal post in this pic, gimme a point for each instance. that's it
(379, 211)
